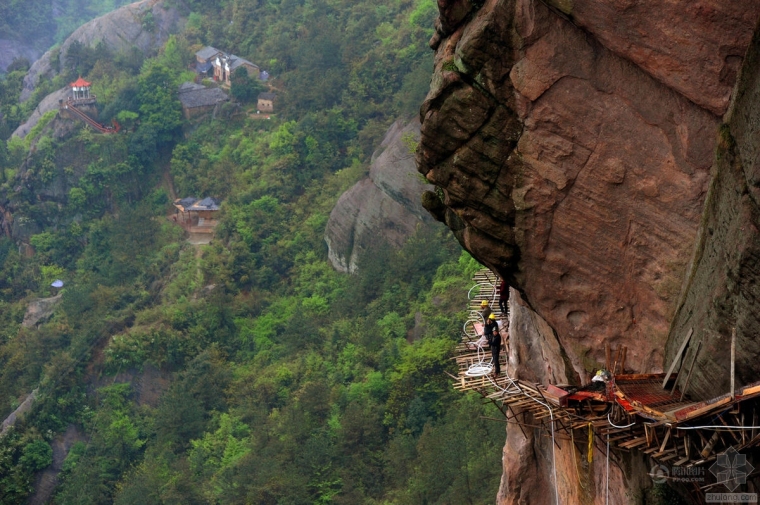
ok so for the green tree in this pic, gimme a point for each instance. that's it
(37, 455)
(245, 88)
(159, 105)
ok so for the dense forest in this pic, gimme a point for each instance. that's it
(283, 381)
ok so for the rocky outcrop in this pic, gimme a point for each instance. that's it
(40, 310)
(723, 288)
(570, 170)
(119, 30)
(46, 480)
(47, 104)
(571, 142)
(19, 413)
(382, 207)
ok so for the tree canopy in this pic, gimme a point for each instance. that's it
(247, 370)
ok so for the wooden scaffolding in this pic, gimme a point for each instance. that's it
(642, 412)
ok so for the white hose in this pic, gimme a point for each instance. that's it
(517, 390)
(616, 426)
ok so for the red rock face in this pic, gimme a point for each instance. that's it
(574, 153)
(573, 141)
(693, 47)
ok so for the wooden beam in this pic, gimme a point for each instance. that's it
(665, 441)
(617, 360)
(691, 369)
(733, 433)
(625, 354)
(733, 363)
(709, 447)
(687, 446)
(607, 362)
(707, 408)
(677, 357)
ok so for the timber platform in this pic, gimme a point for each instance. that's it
(630, 412)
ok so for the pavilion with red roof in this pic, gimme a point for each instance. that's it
(80, 89)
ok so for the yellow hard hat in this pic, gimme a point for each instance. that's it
(492, 316)
(484, 303)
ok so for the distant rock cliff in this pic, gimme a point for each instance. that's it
(119, 30)
(723, 287)
(572, 142)
(12, 49)
(384, 206)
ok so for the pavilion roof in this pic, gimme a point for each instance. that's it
(80, 83)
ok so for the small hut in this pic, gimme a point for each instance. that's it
(196, 99)
(206, 211)
(265, 102)
(197, 213)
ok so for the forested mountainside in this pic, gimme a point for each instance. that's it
(247, 370)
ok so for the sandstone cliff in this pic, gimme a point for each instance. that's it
(384, 206)
(723, 288)
(572, 142)
(119, 30)
(47, 104)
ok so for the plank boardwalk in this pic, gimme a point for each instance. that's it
(641, 412)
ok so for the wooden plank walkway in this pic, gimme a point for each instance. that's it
(647, 417)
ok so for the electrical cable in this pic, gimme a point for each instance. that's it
(616, 426)
(717, 428)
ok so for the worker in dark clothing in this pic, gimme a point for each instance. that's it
(503, 297)
(493, 336)
(485, 310)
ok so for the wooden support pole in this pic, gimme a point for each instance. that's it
(622, 361)
(709, 447)
(687, 446)
(514, 416)
(665, 441)
(691, 369)
(733, 363)
(733, 433)
(607, 356)
(677, 357)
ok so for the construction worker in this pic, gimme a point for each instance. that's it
(493, 336)
(503, 297)
(485, 310)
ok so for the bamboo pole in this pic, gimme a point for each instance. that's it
(677, 357)
(691, 369)
(733, 363)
